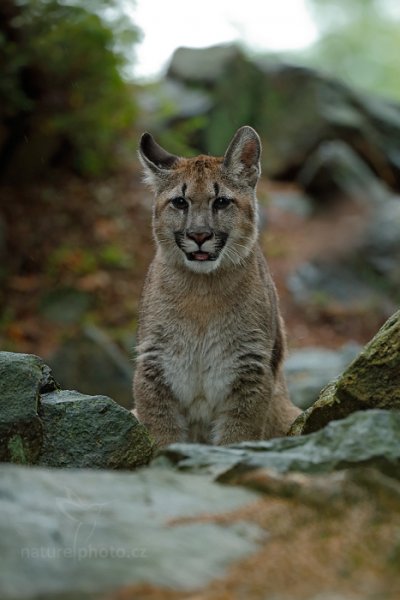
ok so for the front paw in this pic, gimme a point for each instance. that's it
(166, 437)
(235, 435)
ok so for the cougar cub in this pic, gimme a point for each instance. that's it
(210, 339)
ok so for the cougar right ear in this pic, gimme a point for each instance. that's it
(156, 161)
(242, 158)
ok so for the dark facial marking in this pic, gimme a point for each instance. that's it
(179, 237)
(221, 238)
(216, 189)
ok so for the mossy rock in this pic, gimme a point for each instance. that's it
(90, 431)
(23, 377)
(372, 380)
(41, 424)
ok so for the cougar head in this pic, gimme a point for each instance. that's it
(205, 210)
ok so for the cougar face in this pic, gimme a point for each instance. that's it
(205, 214)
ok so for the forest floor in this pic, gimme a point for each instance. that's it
(92, 242)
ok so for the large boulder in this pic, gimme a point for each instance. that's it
(218, 71)
(23, 377)
(81, 534)
(294, 108)
(90, 431)
(335, 169)
(202, 66)
(372, 380)
(302, 108)
(41, 424)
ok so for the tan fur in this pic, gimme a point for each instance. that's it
(211, 341)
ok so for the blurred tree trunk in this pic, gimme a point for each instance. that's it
(16, 125)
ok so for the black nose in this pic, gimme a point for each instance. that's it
(199, 236)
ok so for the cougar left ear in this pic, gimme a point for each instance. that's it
(242, 158)
(156, 161)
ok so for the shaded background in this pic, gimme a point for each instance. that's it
(79, 83)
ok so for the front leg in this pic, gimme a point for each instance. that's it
(156, 407)
(244, 413)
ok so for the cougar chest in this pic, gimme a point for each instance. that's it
(199, 369)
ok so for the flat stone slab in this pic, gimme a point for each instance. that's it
(81, 534)
(369, 437)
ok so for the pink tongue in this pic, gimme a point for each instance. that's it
(201, 255)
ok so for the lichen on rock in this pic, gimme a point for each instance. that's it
(372, 380)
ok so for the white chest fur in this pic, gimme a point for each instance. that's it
(200, 372)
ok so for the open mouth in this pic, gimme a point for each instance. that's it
(200, 256)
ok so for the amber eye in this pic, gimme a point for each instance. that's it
(179, 203)
(221, 203)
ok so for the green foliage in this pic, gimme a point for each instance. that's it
(113, 256)
(179, 139)
(63, 98)
(69, 260)
(232, 110)
(360, 42)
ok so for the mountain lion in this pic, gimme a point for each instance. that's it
(210, 339)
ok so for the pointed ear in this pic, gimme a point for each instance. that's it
(242, 158)
(156, 161)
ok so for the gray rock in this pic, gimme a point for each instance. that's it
(92, 363)
(319, 284)
(41, 424)
(291, 201)
(180, 101)
(217, 71)
(308, 370)
(365, 437)
(90, 431)
(324, 110)
(82, 534)
(372, 380)
(380, 248)
(202, 65)
(23, 377)
(335, 169)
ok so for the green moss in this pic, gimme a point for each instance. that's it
(17, 451)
